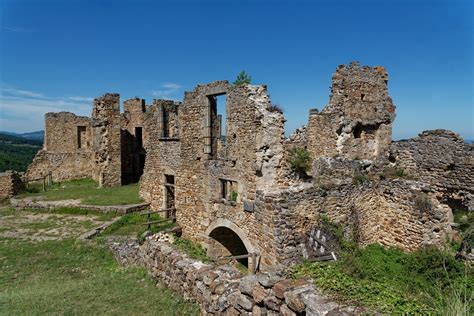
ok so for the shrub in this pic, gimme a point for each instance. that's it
(242, 79)
(233, 196)
(300, 161)
(360, 178)
(275, 108)
(422, 202)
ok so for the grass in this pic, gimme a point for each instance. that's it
(72, 277)
(132, 224)
(89, 193)
(389, 281)
(194, 250)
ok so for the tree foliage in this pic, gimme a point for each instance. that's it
(242, 79)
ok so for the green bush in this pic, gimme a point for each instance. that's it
(359, 179)
(300, 161)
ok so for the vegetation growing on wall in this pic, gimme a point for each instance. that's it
(300, 161)
(242, 79)
(390, 281)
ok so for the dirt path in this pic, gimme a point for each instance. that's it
(45, 226)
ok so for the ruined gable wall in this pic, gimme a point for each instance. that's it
(442, 159)
(163, 154)
(198, 185)
(357, 122)
(61, 153)
(106, 140)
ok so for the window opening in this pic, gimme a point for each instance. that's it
(229, 190)
(81, 136)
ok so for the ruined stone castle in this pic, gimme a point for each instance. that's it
(231, 183)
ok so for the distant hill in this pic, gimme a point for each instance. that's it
(17, 152)
(39, 135)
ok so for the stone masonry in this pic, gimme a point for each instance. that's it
(10, 184)
(230, 184)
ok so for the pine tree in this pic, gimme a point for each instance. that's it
(242, 79)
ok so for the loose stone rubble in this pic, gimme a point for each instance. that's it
(231, 185)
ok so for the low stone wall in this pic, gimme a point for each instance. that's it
(10, 184)
(38, 203)
(223, 290)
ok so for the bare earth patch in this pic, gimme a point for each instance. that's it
(46, 226)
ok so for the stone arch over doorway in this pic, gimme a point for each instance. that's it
(226, 238)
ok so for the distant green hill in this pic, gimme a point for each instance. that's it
(16, 153)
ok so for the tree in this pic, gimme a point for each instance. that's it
(242, 79)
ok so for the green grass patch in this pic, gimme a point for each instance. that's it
(89, 193)
(390, 281)
(134, 225)
(7, 211)
(191, 248)
(72, 277)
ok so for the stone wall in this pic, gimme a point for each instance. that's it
(442, 159)
(357, 122)
(163, 152)
(223, 290)
(64, 166)
(248, 160)
(106, 140)
(134, 138)
(67, 148)
(397, 213)
(10, 184)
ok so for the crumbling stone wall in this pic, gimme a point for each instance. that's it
(389, 212)
(442, 159)
(163, 152)
(67, 148)
(222, 289)
(10, 184)
(249, 159)
(241, 186)
(357, 122)
(106, 141)
(134, 138)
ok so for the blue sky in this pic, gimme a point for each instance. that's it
(58, 55)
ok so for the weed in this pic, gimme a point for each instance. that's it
(300, 160)
(422, 202)
(360, 179)
(194, 250)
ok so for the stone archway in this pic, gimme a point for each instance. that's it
(225, 238)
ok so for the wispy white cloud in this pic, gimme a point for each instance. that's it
(15, 29)
(23, 110)
(81, 99)
(19, 92)
(171, 86)
(167, 90)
